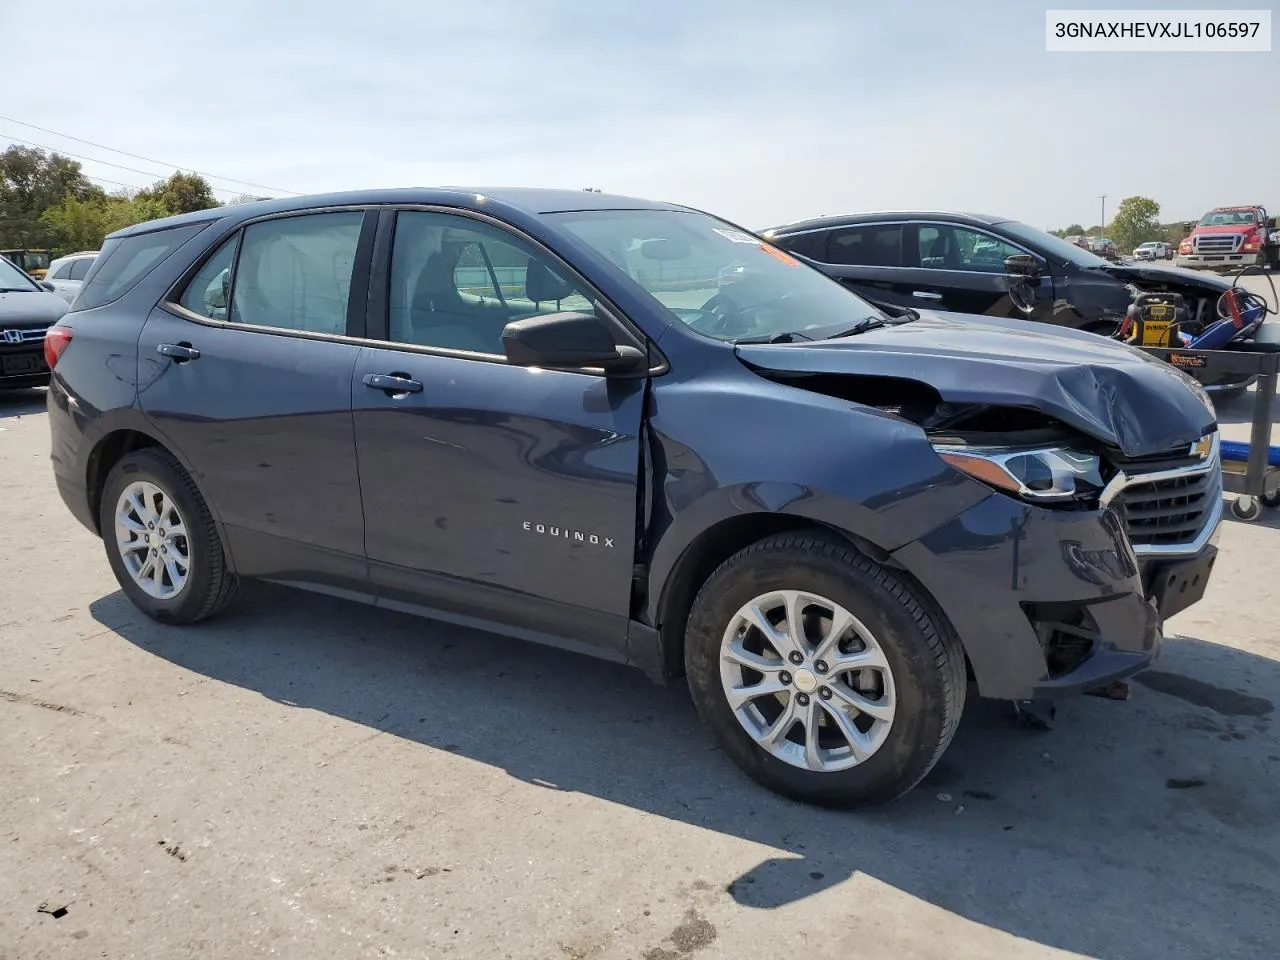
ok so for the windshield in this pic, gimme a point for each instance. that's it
(11, 278)
(719, 281)
(1050, 245)
(1227, 218)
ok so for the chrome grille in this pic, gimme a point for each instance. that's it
(14, 337)
(1168, 503)
(1166, 512)
(1219, 243)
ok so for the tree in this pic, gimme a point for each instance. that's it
(83, 224)
(1137, 220)
(32, 181)
(1074, 230)
(181, 193)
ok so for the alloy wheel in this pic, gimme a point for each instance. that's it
(807, 681)
(152, 538)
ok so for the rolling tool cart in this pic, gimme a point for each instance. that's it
(1238, 343)
(1251, 470)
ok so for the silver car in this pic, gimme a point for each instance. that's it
(67, 273)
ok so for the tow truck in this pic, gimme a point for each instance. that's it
(1229, 237)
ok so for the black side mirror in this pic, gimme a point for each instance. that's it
(1022, 265)
(1271, 223)
(48, 286)
(565, 340)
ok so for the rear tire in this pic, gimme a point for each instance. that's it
(916, 669)
(161, 540)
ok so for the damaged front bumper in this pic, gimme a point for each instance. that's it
(1049, 603)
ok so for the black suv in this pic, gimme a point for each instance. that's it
(638, 431)
(957, 262)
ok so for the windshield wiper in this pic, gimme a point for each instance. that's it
(875, 321)
(14, 289)
(787, 336)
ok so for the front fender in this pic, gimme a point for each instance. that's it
(776, 450)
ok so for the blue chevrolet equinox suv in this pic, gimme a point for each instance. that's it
(641, 432)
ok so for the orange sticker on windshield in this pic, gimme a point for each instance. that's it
(777, 254)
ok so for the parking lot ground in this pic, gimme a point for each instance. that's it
(305, 777)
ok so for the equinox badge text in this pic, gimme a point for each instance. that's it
(575, 535)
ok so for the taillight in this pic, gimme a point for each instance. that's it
(56, 340)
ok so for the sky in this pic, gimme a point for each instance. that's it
(760, 112)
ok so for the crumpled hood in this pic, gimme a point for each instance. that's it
(1137, 272)
(31, 309)
(1110, 391)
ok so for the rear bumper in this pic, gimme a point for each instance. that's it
(1050, 603)
(64, 455)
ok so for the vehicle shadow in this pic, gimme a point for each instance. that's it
(21, 403)
(1145, 828)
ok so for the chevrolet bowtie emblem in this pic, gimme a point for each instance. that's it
(1200, 449)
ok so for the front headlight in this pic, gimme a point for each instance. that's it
(1043, 475)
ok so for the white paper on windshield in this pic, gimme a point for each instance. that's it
(737, 236)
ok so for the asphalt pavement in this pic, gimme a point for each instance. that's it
(305, 777)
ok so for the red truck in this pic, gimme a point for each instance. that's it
(1229, 237)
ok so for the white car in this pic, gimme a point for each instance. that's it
(1153, 250)
(67, 273)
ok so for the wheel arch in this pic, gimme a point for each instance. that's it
(721, 540)
(122, 439)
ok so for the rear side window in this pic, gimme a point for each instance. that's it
(123, 262)
(80, 268)
(63, 272)
(873, 245)
(210, 289)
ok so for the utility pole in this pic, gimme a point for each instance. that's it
(1103, 198)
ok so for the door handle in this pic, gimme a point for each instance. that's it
(392, 383)
(178, 352)
(926, 294)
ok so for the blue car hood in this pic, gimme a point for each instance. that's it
(1107, 390)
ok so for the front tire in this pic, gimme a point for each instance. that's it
(161, 540)
(824, 676)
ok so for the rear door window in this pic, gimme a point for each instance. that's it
(872, 245)
(63, 272)
(124, 261)
(294, 273)
(80, 268)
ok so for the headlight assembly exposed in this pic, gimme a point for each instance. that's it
(1044, 475)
